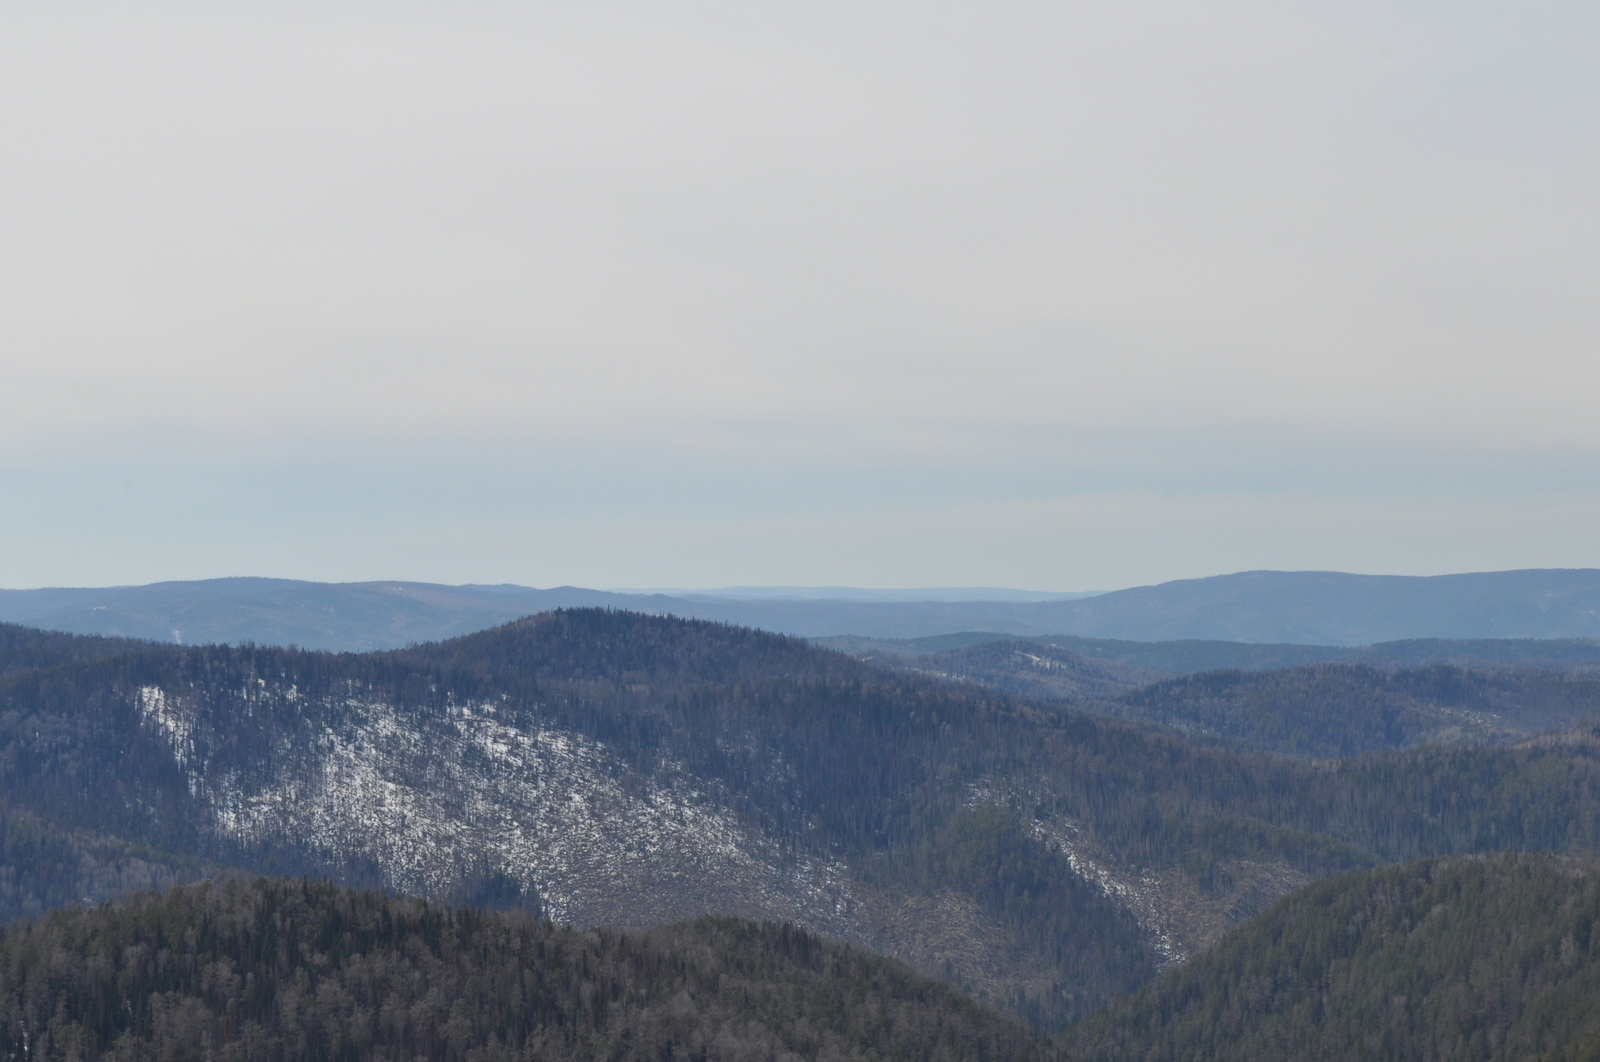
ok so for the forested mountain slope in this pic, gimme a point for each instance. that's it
(1033, 669)
(618, 768)
(1320, 711)
(1479, 957)
(28, 648)
(283, 969)
(974, 650)
(1339, 710)
(43, 867)
(632, 770)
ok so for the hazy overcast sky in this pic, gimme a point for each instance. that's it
(1051, 295)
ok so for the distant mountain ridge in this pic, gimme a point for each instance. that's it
(942, 594)
(1336, 608)
(340, 617)
(1307, 608)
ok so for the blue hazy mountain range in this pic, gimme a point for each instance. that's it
(1308, 608)
(857, 593)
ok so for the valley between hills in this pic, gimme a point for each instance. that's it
(1067, 830)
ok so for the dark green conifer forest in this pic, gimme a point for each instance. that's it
(274, 970)
(1473, 958)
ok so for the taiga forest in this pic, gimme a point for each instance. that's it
(595, 833)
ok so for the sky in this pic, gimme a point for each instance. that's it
(1060, 296)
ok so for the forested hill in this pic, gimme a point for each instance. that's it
(1339, 608)
(1031, 669)
(620, 769)
(1340, 710)
(28, 648)
(974, 650)
(1485, 958)
(1328, 710)
(283, 969)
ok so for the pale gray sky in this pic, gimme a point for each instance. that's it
(1051, 295)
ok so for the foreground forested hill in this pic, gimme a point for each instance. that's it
(619, 769)
(1481, 958)
(283, 969)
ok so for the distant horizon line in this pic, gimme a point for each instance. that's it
(794, 592)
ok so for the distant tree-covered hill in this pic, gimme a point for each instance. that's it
(350, 617)
(1489, 957)
(1033, 669)
(1339, 710)
(1339, 608)
(973, 650)
(1327, 710)
(275, 969)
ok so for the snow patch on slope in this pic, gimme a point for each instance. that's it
(1140, 894)
(429, 801)
(169, 720)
